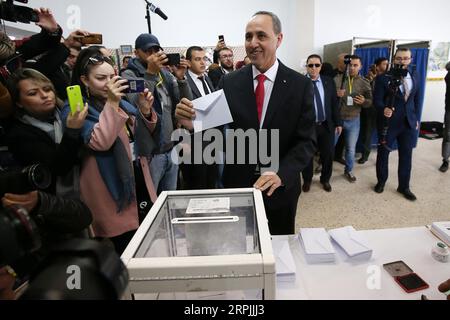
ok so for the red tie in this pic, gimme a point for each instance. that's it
(259, 93)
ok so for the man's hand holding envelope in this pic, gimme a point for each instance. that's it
(206, 112)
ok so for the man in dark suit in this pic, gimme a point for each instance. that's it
(328, 122)
(403, 119)
(266, 95)
(199, 82)
(198, 175)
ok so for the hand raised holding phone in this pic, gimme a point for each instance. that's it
(116, 86)
(78, 109)
(145, 102)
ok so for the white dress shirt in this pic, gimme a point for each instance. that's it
(199, 83)
(268, 86)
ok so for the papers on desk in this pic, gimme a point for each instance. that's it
(317, 245)
(352, 242)
(441, 230)
(211, 111)
(284, 261)
(208, 205)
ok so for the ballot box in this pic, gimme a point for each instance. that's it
(203, 241)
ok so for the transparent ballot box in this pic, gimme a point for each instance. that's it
(203, 241)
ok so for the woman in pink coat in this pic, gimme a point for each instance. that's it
(118, 140)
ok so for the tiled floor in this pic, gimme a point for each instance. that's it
(358, 205)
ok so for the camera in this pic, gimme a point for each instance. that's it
(11, 12)
(74, 269)
(34, 177)
(347, 59)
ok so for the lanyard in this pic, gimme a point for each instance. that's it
(350, 85)
(160, 79)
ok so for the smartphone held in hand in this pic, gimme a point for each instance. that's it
(75, 98)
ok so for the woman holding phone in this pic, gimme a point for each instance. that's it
(37, 135)
(117, 139)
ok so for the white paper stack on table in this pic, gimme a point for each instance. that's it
(353, 242)
(284, 261)
(442, 231)
(317, 245)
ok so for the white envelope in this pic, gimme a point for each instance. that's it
(284, 261)
(211, 111)
(351, 241)
(317, 245)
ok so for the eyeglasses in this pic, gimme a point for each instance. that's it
(311, 65)
(97, 60)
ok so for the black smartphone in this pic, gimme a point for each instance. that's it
(173, 59)
(221, 38)
(411, 282)
(135, 86)
(25, 14)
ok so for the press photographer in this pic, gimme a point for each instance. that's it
(71, 269)
(396, 98)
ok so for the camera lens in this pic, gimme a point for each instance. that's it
(39, 177)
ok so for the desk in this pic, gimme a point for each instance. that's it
(345, 280)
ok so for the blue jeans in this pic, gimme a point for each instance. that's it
(351, 133)
(164, 172)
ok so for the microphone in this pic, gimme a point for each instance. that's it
(156, 10)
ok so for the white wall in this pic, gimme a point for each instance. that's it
(196, 22)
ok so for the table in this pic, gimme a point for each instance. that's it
(346, 279)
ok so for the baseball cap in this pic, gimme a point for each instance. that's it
(146, 41)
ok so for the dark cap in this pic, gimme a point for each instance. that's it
(146, 41)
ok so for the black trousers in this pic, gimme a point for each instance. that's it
(325, 146)
(199, 176)
(339, 148)
(368, 125)
(281, 209)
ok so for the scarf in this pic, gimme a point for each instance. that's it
(115, 167)
(54, 130)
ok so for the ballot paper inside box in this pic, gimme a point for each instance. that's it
(222, 244)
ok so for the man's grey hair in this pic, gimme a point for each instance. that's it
(275, 20)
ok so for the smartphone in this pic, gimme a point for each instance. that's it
(411, 282)
(174, 59)
(25, 14)
(93, 38)
(135, 86)
(221, 38)
(75, 98)
(406, 278)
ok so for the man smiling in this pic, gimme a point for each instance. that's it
(266, 95)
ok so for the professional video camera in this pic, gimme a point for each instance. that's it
(396, 74)
(11, 12)
(34, 177)
(347, 60)
(74, 269)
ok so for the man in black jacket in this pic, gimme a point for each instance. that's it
(446, 140)
(328, 121)
(267, 96)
